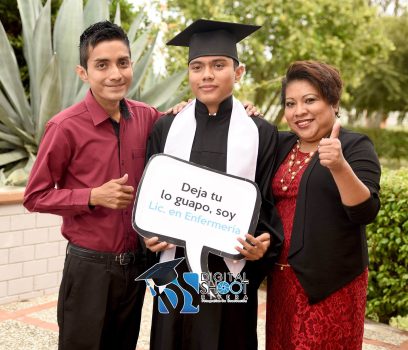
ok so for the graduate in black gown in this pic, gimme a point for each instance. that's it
(211, 132)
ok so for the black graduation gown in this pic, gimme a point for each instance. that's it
(219, 326)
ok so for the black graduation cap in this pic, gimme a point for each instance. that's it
(212, 38)
(161, 273)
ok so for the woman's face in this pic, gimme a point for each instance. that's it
(307, 113)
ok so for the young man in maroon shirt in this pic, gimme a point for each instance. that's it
(88, 166)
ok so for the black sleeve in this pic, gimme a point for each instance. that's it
(155, 144)
(158, 136)
(268, 141)
(267, 150)
(361, 156)
(269, 220)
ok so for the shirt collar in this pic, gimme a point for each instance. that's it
(224, 107)
(98, 114)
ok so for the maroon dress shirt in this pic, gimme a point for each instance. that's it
(80, 151)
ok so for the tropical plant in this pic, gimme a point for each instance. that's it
(51, 57)
(384, 86)
(387, 294)
(345, 34)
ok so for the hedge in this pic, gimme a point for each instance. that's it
(388, 250)
(390, 145)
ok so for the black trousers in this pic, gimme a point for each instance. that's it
(99, 304)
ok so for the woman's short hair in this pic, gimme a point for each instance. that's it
(324, 77)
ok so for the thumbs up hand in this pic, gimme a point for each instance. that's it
(330, 153)
(335, 130)
(114, 194)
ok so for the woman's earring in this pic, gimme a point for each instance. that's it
(337, 114)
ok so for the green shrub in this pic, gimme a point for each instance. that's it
(390, 145)
(400, 322)
(388, 250)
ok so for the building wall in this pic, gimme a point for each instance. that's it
(32, 252)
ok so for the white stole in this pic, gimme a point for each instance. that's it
(242, 152)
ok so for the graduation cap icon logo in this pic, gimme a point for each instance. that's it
(165, 278)
(162, 273)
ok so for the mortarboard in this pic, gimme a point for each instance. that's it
(212, 38)
(161, 273)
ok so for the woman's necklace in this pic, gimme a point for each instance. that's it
(295, 164)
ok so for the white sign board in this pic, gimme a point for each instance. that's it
(196, 207)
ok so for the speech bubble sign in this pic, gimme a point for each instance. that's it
(201, 209)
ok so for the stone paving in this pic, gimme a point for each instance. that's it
(32, 325)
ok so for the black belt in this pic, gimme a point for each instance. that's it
(102, 257)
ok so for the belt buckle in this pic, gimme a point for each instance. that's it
(122, 258)
(125, 258)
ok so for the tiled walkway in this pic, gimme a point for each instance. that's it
(31, 325)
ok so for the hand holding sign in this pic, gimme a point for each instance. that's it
(254, 248)
(330, 153)
(195, 207)
(154, 245)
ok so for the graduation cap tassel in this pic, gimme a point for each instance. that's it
(151, 288)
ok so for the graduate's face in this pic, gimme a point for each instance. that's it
(212, 79)
(109, 72)
(308, 114)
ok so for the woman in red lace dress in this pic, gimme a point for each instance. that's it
(325, 185)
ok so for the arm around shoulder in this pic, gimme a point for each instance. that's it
(158, 135)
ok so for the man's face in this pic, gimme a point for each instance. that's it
(109, 71)
(212, 79)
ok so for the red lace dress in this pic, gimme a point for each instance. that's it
(336, 322)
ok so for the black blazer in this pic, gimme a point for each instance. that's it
(328, 247)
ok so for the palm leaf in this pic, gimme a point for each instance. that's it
(95, 11)
(150, 79)
(117, 15)
(50, 96)
(140, 69)
(13, 156)
(81, 93)
(67, 30)
(6, 145)
(42, 53)
(18, 176)
(10, 119)
(165, 90)
(178, 96)
(135, 26)
(3, 179)
(11, 82)
(138, 46)
(29, 12)
(11, 138)
(7, 114)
